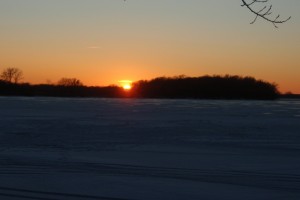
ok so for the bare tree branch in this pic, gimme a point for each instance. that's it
(11, 75)
(264, 13)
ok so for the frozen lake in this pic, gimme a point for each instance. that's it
(119, 149)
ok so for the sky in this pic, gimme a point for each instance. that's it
(102, 42)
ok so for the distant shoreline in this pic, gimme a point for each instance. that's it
(289, 96)
(297, 97)
(179, 87)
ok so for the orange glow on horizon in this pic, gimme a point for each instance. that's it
(86, 42)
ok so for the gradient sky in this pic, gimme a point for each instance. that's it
(103, 41)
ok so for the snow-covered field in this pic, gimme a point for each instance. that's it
(119, 149)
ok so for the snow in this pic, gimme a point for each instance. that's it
(60, 148)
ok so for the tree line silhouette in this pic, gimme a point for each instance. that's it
(50, 90)
(178, 87)
(206, 87)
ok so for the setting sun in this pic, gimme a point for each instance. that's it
(127, 87)
(126, 84)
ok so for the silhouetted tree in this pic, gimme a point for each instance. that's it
(70, 82)
(264, 12)
(12, 75)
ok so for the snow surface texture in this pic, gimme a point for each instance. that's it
(119, 149)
